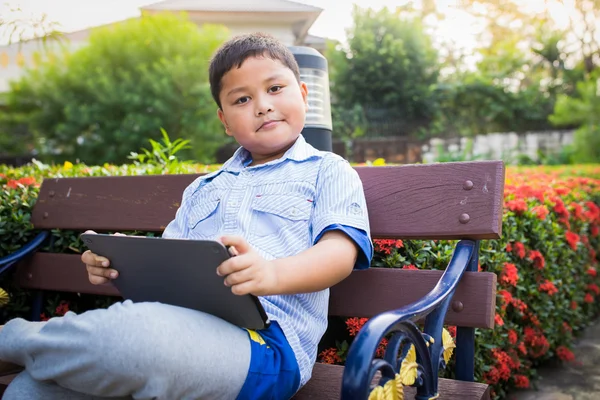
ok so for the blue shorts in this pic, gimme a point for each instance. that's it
(274, 373)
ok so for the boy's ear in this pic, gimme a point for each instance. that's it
(221, 116)
(304, 91)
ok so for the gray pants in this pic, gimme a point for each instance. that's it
(140, 351)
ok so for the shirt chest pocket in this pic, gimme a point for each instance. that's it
(272, 212)
(203, 220)
(280, 223)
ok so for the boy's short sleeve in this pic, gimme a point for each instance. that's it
(339, 199)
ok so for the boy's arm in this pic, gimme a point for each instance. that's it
(323, 265)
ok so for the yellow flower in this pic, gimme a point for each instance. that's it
(68, 165)
(379, 162)
(408, 369)
(4, 298)
(448, 345)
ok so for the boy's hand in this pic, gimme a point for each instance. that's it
(97, 266)
(247, 272)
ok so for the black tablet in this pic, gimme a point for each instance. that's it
(177, 272)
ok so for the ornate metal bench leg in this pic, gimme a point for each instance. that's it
(465, 337)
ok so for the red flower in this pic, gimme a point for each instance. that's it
(43, 317)
(62, 308)
(522, 348)
(504, 363)
(12, 184)
(27, 181)
(573, 305)
(560, 209)
(537, 258)
(520, 249)
(594, 288)
(355, 324)
(381, 349)
(387, 245)
(548, 287)
(594, 230)
(567, 327)
(593, 211)
(508, 247)
(410, 266)
(519, 305)
(572, 239)
(330, 356)
(509, 274)
(577, 211)
(592, 272)
(541, 212)
(492, 376)
(452, 331)
(521, 381)
(565, 354)
(513, 338)
(498, 320)
(507, 297)
(517, 206)
(536, 341)
(588, 298)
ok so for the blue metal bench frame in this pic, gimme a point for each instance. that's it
(361, 364)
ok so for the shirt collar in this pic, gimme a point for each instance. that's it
(300, 151)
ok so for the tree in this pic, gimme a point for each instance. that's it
(389, 64)
(108, 98)
(582, 110)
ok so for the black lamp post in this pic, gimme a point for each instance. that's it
(313, 71)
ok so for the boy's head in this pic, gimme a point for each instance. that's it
(234, 52)
(255, 81)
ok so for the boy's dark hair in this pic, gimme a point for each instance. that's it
(235, 51)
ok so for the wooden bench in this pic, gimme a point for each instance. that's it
(460, 201)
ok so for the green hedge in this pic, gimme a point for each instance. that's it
(546, 263)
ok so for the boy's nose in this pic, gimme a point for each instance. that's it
(263, 107)
(263, 111)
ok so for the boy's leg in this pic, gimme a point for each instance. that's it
(25, 387)
(147, 350)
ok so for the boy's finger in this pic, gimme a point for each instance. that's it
(233, 264)
(104, 272)
(95, 260)
(236, 278)
(240, 244)
(243, 288)
(97, 280)
(89, 231)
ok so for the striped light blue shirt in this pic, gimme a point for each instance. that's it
(281, 208)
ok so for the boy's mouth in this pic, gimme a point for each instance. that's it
(267, 125)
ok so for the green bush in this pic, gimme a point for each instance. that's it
(546, 262)
(104, 99)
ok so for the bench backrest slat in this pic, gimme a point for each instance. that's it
(395, 288)
(434, 201)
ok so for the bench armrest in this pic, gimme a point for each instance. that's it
(8, 261)
(361, 364)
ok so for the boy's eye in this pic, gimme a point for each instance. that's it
(242, 100)
(275, 88)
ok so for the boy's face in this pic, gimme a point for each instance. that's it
(263, 107)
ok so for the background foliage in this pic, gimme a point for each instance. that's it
(104, 99)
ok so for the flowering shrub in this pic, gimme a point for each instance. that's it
(546, 263)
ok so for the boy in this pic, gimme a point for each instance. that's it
(297, 220)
